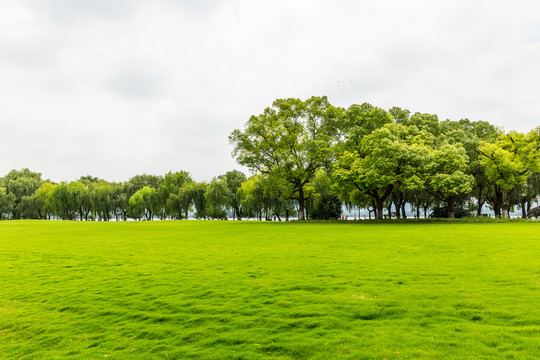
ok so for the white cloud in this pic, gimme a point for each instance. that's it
(116, 88)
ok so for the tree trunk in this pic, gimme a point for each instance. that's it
(505, 203)
(451, 201)
(523, 208)
(497, 204)
(301, 203)
(287, 214)
(392, 200)
(238, 215)
(403, 212)
(480, 203)
(380, 206)
(389, 208)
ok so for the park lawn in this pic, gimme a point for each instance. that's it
(247, 290)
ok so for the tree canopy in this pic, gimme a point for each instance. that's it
(312, 160)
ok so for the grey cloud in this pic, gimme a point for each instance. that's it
(34, 54)
(72, 11)
(199, 7)
(136, 82)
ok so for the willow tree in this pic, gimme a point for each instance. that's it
(290, 140)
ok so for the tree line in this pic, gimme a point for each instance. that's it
(377, 159)
(310, 159)
(23, 194)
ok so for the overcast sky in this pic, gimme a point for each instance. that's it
(115, 88)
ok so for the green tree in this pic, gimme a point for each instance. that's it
(21, 183)
(199, 199)
(469, 134)
(144, 203)
(217, 198)
(234, 180)
(177, 192)
(7, 201)
(102, 200)
(326, 204)
(392, 156)
(62, 201)
(449, 177)
(510, 161)
(251, 196)
(290, 141)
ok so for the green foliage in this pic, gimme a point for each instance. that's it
(144, 203)
(6, 203)
(369, 158)
(218, 198)
(199, 199)
(510, 161)
(327, 207)
(390, 157)
(289, 141)
(234, 180)
(20, 184)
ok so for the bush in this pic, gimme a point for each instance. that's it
(328, 207)
(442, 212)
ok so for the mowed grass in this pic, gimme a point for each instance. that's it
(245, 290)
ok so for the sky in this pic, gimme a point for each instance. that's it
(116, 88)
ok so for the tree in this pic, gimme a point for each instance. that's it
(290, 141)
(144, 203)
(251, 196)
(234, 180)
(527, 193)
(448, 177)
(217, 198)
(121, 199)
(393, 156)
(7, 201)
(137, 182)
(469, 134)
(102, 200)
(326, 205)
(20, 184)
(510, 161)
(199, 199)
(177, 192)
(79, 198)
(62, 201)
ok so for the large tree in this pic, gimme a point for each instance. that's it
(290, 140)
(234, 180)
(448, 178)
(21, 183)
(6, 203)
(217, 198)
(510, 161)
(394, 156)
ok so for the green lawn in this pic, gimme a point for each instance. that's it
(245, 290)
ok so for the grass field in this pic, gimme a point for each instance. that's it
(245, 290)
